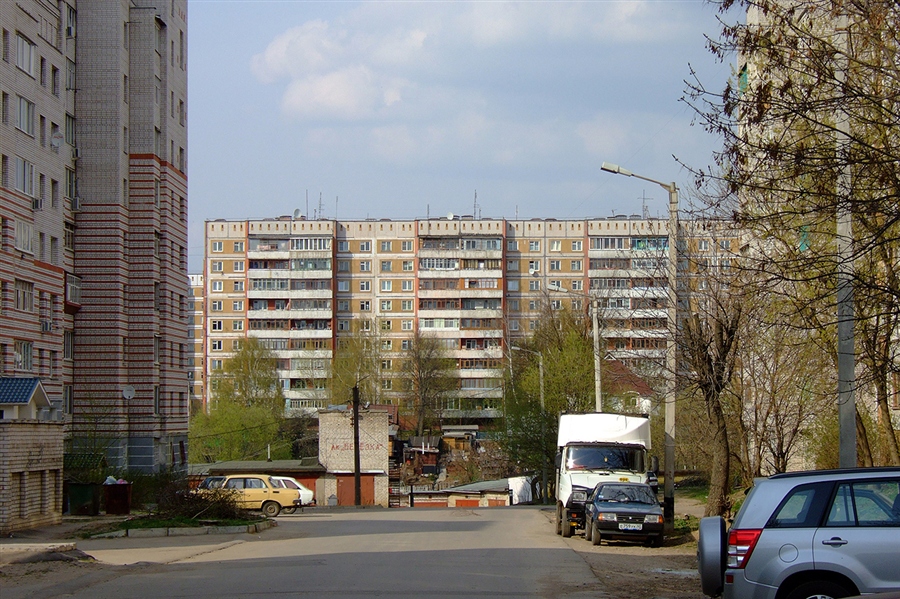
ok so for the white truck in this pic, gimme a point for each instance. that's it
(594, 448)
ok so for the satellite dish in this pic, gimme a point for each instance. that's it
(128, 392)
(297, 213)
(449, 216)
(531, 271)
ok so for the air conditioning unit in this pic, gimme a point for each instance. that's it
(70, 32)
(76, 203)
(37, 203)
(46, 326)
(76, 153)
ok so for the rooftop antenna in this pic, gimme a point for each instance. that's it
(475, 211)
(427, 211)
(517, 212)
(320, 204)
(307, 203)
(335, 207)
(644, 209)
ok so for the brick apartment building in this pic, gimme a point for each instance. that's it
(476, 284)
(93, 208)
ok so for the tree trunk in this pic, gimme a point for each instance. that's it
(885, 423)
(717, 503)
(862, 443)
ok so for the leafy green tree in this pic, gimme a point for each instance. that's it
(247, 410)
(357, 361)
(429, 372)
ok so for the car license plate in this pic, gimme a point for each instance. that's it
(628, 526)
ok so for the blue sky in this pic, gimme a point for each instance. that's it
(408, 109)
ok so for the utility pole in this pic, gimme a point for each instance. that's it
(356, 478)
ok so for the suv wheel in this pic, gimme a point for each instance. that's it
(711, 555)
(819, 589)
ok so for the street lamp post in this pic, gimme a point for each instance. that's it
(543, 420)
(669, 458)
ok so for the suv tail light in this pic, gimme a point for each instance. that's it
(740, 546)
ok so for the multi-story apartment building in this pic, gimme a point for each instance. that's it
(197, 340)
(475, 285)
(94, 215)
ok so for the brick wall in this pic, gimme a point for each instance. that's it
(31, 473)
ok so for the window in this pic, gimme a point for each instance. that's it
(556, 304)
(385, 325)
(406, 246)
(576, 265)
(215, 306)
(365, 246)
(405, 344)
(24, 176)
(238, 266)
(385, 246)
(534, 265)
(725, 244)
(534, 305)
(68, 345)
(576, 246)
(534, 246)
(24, 355)
(703, 245)
(217, 266)
(365, 266)
(406, 285)
(386, 364)
(343, 305)
(24, 295)
(514, 305)
(216, 286)
(386, 305)
(512, 245)
(216, 345)
(365, 325)
(25, 116)
(343, 285)
(217, 325)
(343, 265)
(386, 285)
(216, 246)
(365, 305)
(239, 246)
(386, 266)
(534, 285)
(407, 265)
(343, 246)
(215, 364)
(406, 325)
(70, 75)
(406, 305)
(556, 246)
(71, 184)
(70, 129)
(238, 285)
(343, 325)
(24, 236)
(237, 325)
(365, 285)
(25, 52)
(512, 285)
(387, 384)
(512, 266)
(555, 265)
(577, 285)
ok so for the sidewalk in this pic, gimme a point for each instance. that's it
(51, 542)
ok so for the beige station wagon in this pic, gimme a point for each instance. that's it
(258, 492)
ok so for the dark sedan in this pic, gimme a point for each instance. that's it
(623, 511)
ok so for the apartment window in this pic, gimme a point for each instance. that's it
(556, 265)
(24, 355)
(703, 245)
(215, 306)
(407, 265)
(532, 325)
(238, 286)
(217, 325)
(386, 305)
(343, 285)
(25, 116)
(534, 285)
(576, 265)
(68, 345)
(24, 295)
(365, 246)
(365, 266)
(25, 53)
(513, 325)
(365, 305)
(24, 236)
(343, 246)
(343, 265)
(217, 286)
(513, 305)
(406, 305)
(512, 285)
(556, 246)
(386, 285)
(534, 305)
(512, 266)
(386, 266)
(406, 325)
(343, 305)
(70, 75)
(534, 265)
(725, 244)
(217, 266)
(406, 246)
(238, 266)
(24, 176)
(216, 247)
(406, 285)
(556, 304)
(534, 246)
(385, 325)
(238, 247)
(365, 325)
(237, 325)
(577, 285)
(343, 325)
(512, 245)
(385, 246)
(215, 364)
(69, 236)
(216, 345)
(577, 304)
(405, 344)
(237, 305)
(365, 285)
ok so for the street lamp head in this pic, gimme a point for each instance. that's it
(615, 168)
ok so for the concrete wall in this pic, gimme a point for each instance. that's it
(31, 474)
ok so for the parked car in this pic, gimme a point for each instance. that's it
(307, 497)
(260, 492)
(211, 482)
(802, 535)
(624, 511)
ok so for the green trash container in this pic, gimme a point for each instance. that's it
(118, 499)
(84, 499)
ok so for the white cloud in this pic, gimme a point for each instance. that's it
(605, 135)
(310, 48)
(351, 93)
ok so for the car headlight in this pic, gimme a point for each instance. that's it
(653, 519)
(579, 496)
(607, 516)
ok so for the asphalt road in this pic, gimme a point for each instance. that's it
(510, 552)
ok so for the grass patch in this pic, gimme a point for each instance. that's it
(686, 525)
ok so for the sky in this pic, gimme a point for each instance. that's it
(415, 109)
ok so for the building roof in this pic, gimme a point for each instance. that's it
(310, 464)
(22, 390)
(620, 380)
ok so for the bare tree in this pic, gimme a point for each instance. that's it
(429, 372)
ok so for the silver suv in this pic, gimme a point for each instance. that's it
(804, 535)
